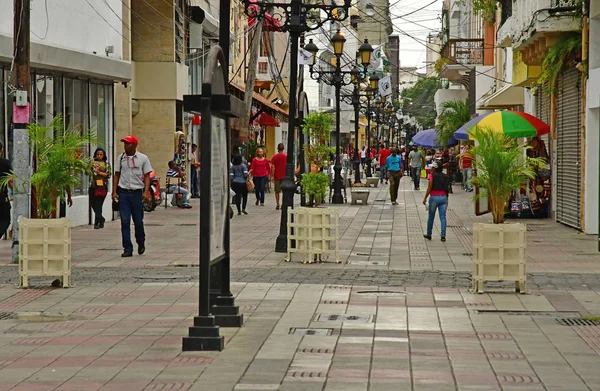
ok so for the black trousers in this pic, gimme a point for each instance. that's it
(97, 202)
(4, 217)
(241, 195)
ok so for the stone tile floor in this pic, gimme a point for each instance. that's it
(128, 337)
(375, 236)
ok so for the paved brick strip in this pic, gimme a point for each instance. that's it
(22, 297)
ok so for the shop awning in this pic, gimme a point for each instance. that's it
(267, 120)
(506, 97)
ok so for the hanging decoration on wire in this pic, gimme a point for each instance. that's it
(385, 86)
(304, 57)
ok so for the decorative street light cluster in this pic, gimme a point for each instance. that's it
(339, 78)
(296, 18)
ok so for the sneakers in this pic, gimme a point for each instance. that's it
(428, 237)
(443, 238)
(126, 254)
(244, 212)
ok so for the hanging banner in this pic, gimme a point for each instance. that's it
(376, 57)
(385, 86)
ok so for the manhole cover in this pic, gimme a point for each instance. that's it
(382, 293)
(365, 262)
(186, 225)
(305, 331)
(6, 315)
(344, 318)
(557, 314)
(577, 322)
(162, 277)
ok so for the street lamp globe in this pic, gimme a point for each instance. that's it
(312, 49)
(374, 81)
(338, 41)
(355, 75)
(365, 50)
(369, 92)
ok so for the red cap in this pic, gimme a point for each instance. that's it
(131, 139)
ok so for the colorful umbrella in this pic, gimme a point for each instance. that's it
(428, 139)
(513, 124)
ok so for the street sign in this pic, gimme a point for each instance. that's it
(219, 189)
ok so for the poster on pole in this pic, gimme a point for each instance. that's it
(219, 192)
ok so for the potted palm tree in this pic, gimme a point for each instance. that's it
(314, 231)
(502, 168)
(44, 241)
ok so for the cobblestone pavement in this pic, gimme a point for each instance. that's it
(374, 236)
(299, 337)
(103, 276)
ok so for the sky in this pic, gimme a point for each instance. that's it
(413, 24)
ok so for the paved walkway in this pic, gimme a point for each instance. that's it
(400, 318)
(376, 236)
(297, 337)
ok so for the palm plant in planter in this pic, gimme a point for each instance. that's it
(502, 168)
(317, 127)
(44, 242)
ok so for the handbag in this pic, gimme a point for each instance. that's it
(249, 185)
(100, 192)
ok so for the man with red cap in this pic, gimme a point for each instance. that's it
(131, 186)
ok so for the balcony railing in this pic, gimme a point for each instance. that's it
(464, 51)
(565, 3)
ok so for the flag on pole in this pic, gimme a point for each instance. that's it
(304, 57)
(385, 86)
(375, 57)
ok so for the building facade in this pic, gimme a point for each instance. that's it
(74, 73)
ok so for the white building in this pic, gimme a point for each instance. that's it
(76, 59)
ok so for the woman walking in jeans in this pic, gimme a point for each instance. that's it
(239, 175)
(99, 186)
(260, 169)
(438, 190)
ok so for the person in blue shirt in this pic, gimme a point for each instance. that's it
(395, 168)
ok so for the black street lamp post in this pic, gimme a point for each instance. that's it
(338, 78)
(294, 17)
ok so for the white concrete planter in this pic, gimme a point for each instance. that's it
(359, 194)
(313, 232)
(44, 249)
(372, 181)
(499, 255)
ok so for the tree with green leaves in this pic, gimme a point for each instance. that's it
(418, 101)
(454, 115)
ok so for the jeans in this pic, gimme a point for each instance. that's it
(395, 177)
(185, 194)
(382, 173)
(467, 175)
(441, 203)
(194, 180)
(131, 206)
(259, 188)
(415, 173)
(241, 195)
(4, 216)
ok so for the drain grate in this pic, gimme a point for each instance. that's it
(467, 254)
(519, 379)
(109, 249)
(382, 293)
(344, 318)
(186, 225)
(6, 315)
(316, 350)
(152, 225)
(306, 331)
(557, 314)
(307, 374)
(577, 322)
(363, 262)
(334, 302)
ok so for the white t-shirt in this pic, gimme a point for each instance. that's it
(363, 153)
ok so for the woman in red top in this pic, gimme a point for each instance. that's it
(438, 189)
(260, 169)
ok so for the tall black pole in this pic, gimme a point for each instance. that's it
(356, 103)
(287, 185)
(369, 174)
(337, 168)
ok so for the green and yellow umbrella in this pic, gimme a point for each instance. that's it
(513, 124)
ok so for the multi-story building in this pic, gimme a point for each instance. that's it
(527, 30)
(75, 72)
